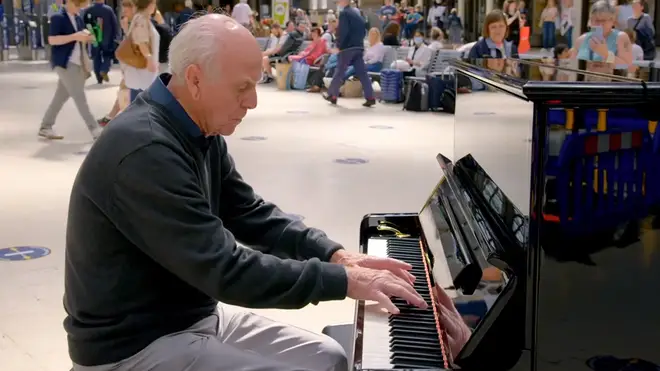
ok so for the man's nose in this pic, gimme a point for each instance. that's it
(250, 101)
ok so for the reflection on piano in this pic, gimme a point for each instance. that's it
(542, 229)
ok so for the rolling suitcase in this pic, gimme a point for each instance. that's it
(391, 85)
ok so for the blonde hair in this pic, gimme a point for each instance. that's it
(374, 34)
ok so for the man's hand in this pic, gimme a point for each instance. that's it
(458, 333)
(380, 285)
(397, 267)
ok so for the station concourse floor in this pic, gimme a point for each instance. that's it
(330, 165)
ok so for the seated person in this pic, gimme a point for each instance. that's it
(436, 39)
(494, 43)
(313, 53)
(290, 45)
(329, 34)
(418, 60)
(373, 56)
(391, 34)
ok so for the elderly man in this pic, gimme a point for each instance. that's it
(154, 216)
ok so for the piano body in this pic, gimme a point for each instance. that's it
(542, 227)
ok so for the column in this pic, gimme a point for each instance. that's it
(460, 5)
(489, 6)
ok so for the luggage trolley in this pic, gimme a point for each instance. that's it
(602, 171)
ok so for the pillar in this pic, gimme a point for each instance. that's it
(489, 6)
(460, 8)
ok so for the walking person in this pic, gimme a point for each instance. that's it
(351, 53)
(455, 28)
(102, 19)
(122, 100)
(144, 35)
(68, 38)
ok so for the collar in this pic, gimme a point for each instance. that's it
(160, 94)
(491, 44)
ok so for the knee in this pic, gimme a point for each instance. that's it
(332, 355)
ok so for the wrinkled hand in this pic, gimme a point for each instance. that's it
(599, 47)
(397, 267)
(458, 333)
(380, 285)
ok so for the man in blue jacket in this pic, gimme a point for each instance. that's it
(350, 41)
(104, 22)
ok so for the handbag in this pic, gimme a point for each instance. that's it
(300, 71)
(129, 53)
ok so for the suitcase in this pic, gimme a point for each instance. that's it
(391, 85)
(300, 72)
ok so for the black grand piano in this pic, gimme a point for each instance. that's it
(542, 227)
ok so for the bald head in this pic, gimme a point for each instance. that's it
(210, 41)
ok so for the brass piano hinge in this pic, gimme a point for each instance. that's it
(384, 225)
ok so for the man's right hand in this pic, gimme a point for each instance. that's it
(83, 36)
(380, 285)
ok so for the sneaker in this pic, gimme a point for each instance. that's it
(369, 103)
(103, 121)
(105, 77)
(49, 134)
(330, 98)
(96, 132)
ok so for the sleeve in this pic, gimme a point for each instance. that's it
(140, 32)
(158, 205)
(55, 28)
(343, 30)
(474, 51)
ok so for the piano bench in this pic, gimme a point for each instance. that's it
(343, 334)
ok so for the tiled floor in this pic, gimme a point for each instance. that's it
(293, 165)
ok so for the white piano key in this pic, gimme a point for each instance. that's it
(375, 332)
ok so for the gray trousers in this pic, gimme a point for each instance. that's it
(236, 340)
(71, 84)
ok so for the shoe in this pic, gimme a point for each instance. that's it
(314, 89)
(103, 121)
(96, 132)
(105, 77)
(49, 134)
(369, 103)
(330, 98)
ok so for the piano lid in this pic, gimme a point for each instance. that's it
(563, 78)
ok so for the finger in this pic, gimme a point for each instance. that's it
(386, 303)
(443, 299)
(404, 275)
(403, 290)
(384, 263)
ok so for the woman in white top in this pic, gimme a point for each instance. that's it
(373, 56)
(566, 22)
(418, 60)
(144, 35)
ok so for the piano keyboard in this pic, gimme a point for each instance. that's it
(410, 339)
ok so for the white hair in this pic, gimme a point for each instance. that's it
(196, 43)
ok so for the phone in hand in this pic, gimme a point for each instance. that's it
(597, 31)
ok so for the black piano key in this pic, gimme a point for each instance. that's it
(419, 355)
(416, 362)
(416, 344)
(396, 321)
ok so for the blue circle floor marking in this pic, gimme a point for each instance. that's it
(254, 138)
(351, 161)
(19, 253)
(384, 127)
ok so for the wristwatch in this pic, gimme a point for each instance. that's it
(610, 57)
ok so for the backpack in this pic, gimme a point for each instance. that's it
(417, 97)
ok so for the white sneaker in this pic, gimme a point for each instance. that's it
(49, 134)
(96, 132)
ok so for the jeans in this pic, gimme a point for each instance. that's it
(569, 37)
(134, 94)
(355, 58)
(549, 35)
(102, 61)
(373, 67)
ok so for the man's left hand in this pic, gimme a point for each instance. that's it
(395, 266)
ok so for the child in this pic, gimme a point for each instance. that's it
(637, 51)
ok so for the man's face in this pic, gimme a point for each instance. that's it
(225, 97)
(637, 7)
(290, 27)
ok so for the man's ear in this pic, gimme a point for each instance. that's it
(193, 79)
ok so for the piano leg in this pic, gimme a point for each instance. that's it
(343, 334)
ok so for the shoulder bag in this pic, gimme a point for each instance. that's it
(129, 53)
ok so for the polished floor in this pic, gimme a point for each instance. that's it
(331, 165)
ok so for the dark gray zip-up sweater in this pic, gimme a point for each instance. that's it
(154, 215)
